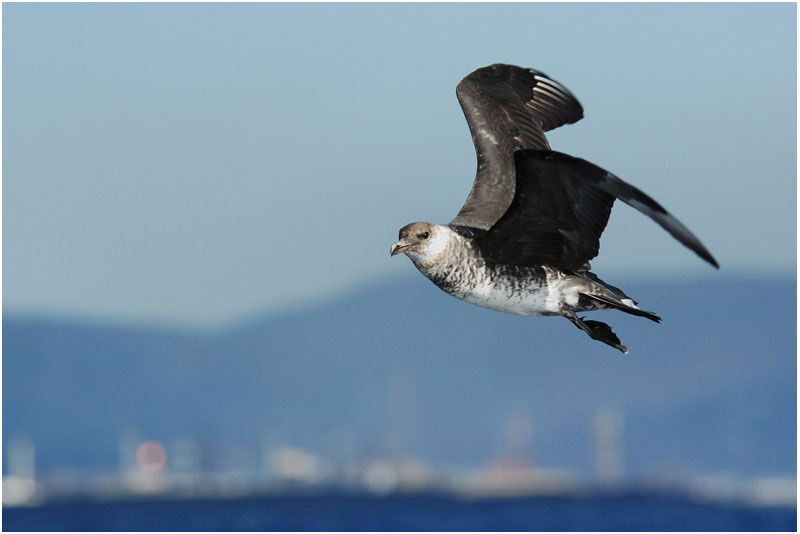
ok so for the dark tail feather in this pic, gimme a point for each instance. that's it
(621, 306)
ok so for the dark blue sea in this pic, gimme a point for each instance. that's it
(401, 513)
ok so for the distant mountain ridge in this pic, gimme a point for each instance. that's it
(400, 368)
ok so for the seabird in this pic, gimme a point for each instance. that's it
(523, 239)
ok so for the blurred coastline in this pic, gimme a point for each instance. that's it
(289, 471)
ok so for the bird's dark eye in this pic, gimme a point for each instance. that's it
(424, 235)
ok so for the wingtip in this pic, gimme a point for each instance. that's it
(706, 255)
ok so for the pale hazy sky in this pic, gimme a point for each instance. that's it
(194, 163)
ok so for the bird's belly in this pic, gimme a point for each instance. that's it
(520, 298)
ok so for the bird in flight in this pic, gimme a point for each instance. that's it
(524, 237)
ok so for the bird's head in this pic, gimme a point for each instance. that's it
(421, 241)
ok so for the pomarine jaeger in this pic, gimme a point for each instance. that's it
(523, 239)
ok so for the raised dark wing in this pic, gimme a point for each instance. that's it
(561, 208)
(507, 108)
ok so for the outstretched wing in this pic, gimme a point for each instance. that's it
(507, 108)
(560, 209)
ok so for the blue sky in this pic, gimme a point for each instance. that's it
(191, 164)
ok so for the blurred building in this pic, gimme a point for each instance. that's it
(608, 446)
(290, 464)
(19, 484)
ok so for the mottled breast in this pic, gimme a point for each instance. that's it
(464, 274)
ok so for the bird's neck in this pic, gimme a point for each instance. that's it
(450, 249)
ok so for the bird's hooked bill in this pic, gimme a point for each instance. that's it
(399, 248)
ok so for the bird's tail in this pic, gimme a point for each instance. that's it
(626, 304)
(614, 297)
